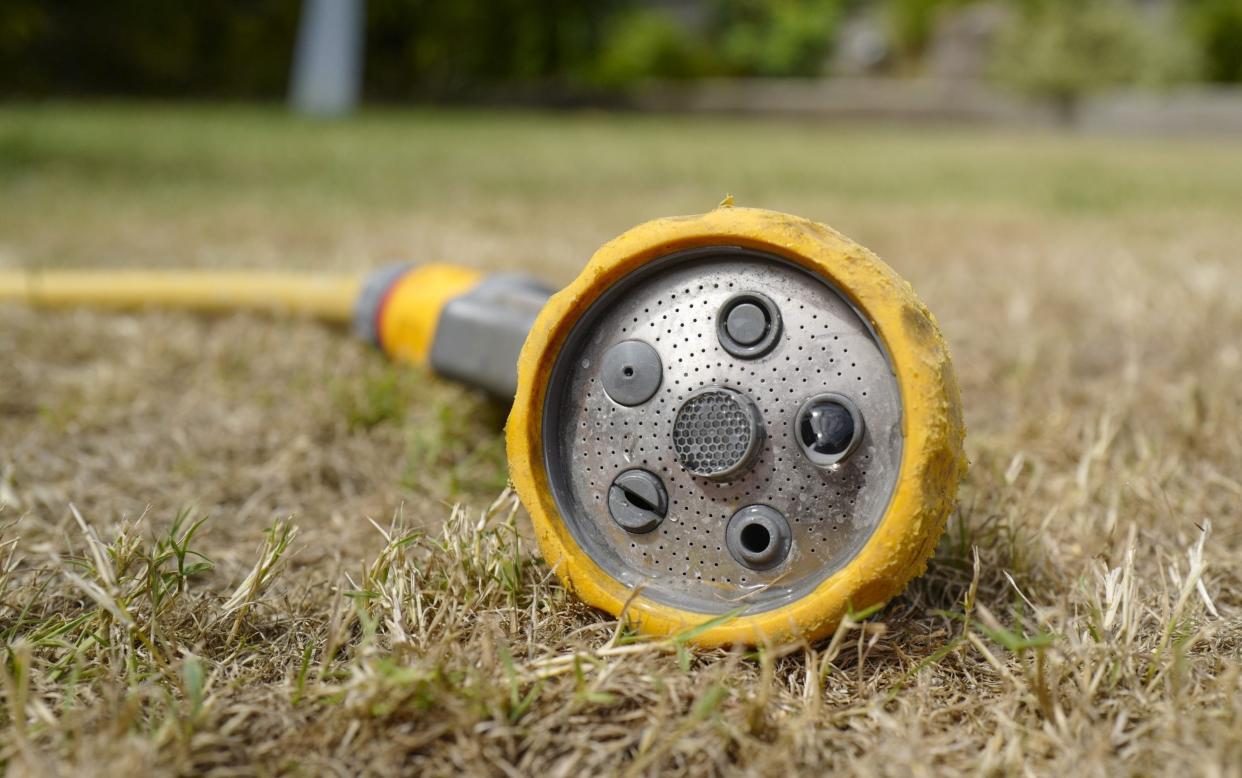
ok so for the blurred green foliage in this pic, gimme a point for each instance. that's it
(1216, 26)
(221, 47)
(737, 38)
(774, 37)
(245, 47)
(450, 47)
(649, 43)
(912, 23)
(1060, 49)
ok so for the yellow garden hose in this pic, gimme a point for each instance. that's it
(740, 426)
(328, 297)
(397, 308)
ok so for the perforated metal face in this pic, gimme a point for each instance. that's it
(824, 346)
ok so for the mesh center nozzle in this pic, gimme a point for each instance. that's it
(717, 433)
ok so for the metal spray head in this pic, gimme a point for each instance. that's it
(740, 418)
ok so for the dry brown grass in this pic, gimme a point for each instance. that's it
(1083, 615)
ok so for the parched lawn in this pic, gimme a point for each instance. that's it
(361, 596)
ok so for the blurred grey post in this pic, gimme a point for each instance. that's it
(327, 65)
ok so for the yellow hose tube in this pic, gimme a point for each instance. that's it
(328, 297)
(405, 319)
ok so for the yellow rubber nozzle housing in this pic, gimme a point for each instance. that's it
(932, 460)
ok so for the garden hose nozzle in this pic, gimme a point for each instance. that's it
(741, 425)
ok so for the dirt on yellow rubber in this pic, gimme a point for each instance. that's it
(1081, 615)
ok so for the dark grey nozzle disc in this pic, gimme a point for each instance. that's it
(637, 501)
(631, 372)
(748, 325)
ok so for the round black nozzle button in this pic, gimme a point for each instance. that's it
(828, 428)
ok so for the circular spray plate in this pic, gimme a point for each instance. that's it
(720, 431)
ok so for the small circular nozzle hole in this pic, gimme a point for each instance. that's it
(756, 538)
(628, 372)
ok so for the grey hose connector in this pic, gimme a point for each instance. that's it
(480, 334)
